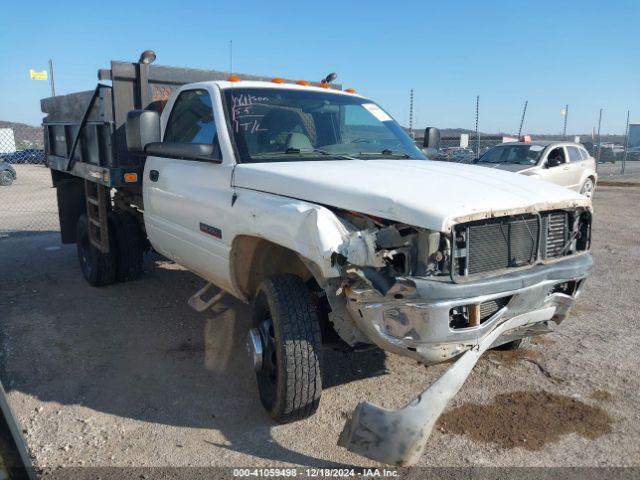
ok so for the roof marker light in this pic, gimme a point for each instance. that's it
(234, 78)
(325, 85)
(304, 83)
(350, 90)
(277, 80)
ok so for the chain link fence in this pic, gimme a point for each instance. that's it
(615, 156)
(26, 195)
(29, 202)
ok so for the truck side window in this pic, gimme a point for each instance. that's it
(191, 120)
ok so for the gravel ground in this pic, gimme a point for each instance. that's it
(129, 375)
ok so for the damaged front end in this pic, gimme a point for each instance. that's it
(435, 296)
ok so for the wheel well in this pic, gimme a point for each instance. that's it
(253, 259)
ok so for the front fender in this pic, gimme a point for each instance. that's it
(311, 230)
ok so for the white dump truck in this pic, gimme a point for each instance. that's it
(313, 204)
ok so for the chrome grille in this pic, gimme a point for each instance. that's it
(502, 243)
(556, 227)
(517, 241)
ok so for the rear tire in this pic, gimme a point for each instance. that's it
(290, 380)
(98, 268)
(128, 245)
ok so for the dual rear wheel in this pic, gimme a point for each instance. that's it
(126, 248)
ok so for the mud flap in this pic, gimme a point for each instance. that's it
(398, 437)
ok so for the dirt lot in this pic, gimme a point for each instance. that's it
(129, 375)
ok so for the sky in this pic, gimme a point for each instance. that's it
(549, 53)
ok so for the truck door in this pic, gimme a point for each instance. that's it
(556, 167)
(186, 201)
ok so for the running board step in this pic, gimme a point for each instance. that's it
(199, 304)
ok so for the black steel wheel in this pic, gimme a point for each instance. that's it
(289, 380)
(97, 268)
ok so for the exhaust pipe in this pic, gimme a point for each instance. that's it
(398, 437)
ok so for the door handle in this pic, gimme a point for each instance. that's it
(154, 175)
(565, 168)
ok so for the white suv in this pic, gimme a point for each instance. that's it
(563, 163)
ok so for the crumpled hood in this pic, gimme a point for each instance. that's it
(423, 193)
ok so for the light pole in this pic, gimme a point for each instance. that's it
(51, 79)
(477, 132)
(524, 112)
(626, 145)
(411, 114)
(599, 141)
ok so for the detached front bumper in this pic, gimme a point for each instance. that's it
(416, 317)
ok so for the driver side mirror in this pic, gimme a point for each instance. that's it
(431, 138)
(142, 128)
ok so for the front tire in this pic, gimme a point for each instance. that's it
(289, 381)
(587, 188)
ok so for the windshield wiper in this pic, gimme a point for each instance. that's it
(387, 153)
(294, 151)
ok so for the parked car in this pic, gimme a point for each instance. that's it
(609, 152)
(563, 163)
(633, 153)
(30, 155)
(7, 174)
(458, 154)
(315, 206)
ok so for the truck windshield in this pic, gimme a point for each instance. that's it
(279, 125)
(516, 154)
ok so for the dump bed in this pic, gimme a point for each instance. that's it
(85, 131)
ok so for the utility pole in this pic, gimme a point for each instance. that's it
(524, 112)
(51, 79)
(626, 145)
(564, 129)
(599, 140)
(477, 132)
(411, 115)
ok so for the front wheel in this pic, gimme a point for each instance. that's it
(587, 188)
(286, 320)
